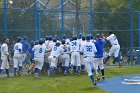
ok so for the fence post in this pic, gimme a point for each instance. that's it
(35, 19)
(62, 16)
(5, 18)
(91, 16)
(139, 37)
(131, 31)
(39, 25)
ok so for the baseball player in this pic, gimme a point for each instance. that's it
(88, 51)
(55, 53)
(5, 56)
(67, 41)
(75, 54)
(81, 56)
(114, 49)
(31, 52)
(66, 57)
(25, 46)
(39, 51)
(98, 59)
(18, 57)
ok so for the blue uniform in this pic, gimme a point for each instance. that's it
(25, 46)
(99, 46)
(31, 52)
(98, 60)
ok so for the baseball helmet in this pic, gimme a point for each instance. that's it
(88, 37)
(41, 41)
(63, 41)
(64, 36)
(57, 43)
(83, 37)
(74, 38)
(19, 39)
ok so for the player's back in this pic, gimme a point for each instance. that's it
(4, 49)
(17, 48)
(66, 48)
(57, 51)
(99, 46)
(25, 46)
(39, 51)
(67, 41)
(88, 49)
(113, 39)
(51, 44)
(75, 46)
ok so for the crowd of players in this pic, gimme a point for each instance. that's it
(82, 52)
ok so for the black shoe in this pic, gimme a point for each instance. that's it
(15, 75)
(120, 65)
(103, 77)
(19, 74)
(65, 73)
(98, 78)
(94, 83)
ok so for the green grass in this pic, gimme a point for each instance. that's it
(59, 83)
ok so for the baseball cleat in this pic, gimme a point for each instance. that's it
(120, 65)
(98, 78)
(103, 77)
(94, 83)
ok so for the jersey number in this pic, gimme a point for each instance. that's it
(89, 48)
(73, 43)
(40, 50)
(16, 47)
(55, 48)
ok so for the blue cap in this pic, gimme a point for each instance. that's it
(41, 41)
(55, 36)
(88, 37)
(19, 39)
(36, 42)
(54, 39)
(24, 37)
(57, 43)
(64, 36)
(91, 36)
(83, 37)
(63, 41)
(50, 37)
(32, 43)
(74, 38)
(47, 37)
(98, 35)
(80, 36)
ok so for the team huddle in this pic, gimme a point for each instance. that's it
(71, 55)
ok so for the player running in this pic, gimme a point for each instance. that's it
(39, 51)
(88, 51)
(114, 49)
(66, 57)
(75, 54)
(55, 54)
(31, 52)
(98, 59)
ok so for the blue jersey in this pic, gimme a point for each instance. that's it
(31, 52)
(25, 46)
(99, 46)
